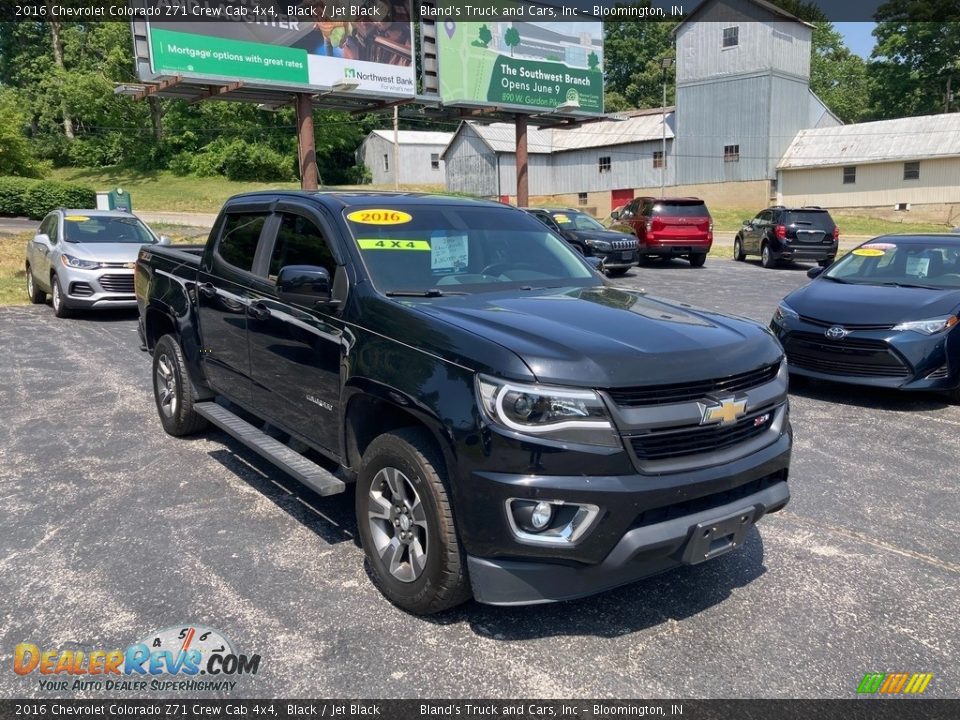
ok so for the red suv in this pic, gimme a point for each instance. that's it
(668, 227)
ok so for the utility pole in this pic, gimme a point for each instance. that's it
(306, 143)
(523, 189)
(396, 148)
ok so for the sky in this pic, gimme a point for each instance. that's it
(857, 36)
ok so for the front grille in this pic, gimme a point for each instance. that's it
(80, 289)
(624, 244)
(939, 374)
(117, 283)
(682, 392)
(848, 326)
(696, 439)
(857, 357)
(707, 502)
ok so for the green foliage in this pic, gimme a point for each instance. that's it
(35, 198)
(361, 175)
(13, 195)
(632, 53)
(17, 156)
(837, 75)
(593, 60)
(511, 38)
(484, 36)
(235, 160)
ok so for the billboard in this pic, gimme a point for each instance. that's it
(523, 65)
(295, 54)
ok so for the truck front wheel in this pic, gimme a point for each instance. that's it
(173, 390)
(406, 524)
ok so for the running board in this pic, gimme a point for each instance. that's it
(320, 480)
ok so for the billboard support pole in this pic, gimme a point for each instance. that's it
(306, 142)
(523, 190)
(396, 147)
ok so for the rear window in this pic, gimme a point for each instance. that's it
(820, 220)
(681, 209)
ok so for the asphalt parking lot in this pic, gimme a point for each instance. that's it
(110, 529)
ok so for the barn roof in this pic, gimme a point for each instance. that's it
(913, 138)
(416, 137)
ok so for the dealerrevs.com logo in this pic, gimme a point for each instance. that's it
(190, 658)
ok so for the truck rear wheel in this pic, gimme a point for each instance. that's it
(406, 524)
(173, 390)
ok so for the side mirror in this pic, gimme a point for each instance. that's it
(748, 222)
(165, 240)
(615, 215)
(815, 271)
(305, 285)
(42, 238)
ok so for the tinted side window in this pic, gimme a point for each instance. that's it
(53, 229)
(300, 242)
(241, 233)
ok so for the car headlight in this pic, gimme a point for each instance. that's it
(601, 245)
(783, 313)
(75, 262)
(929, 327)
(562, 414)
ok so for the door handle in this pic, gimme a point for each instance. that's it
(258, 311)
(207, 289)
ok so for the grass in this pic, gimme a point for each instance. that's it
(13, 279)
(162, 191)
(731, 219)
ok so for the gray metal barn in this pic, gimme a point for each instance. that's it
(420, 159)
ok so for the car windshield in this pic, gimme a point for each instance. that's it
(448, 249)
(106, 229)
(887, 261)
(681, 209)
(569, 220)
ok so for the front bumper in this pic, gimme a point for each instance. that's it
(642, 552)
(617, 259)
(110, 287)
(876, 358)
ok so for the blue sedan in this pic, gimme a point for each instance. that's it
(885, 314)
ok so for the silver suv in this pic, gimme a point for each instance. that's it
(85, 259)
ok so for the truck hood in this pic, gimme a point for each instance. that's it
(606, 337)
(104, 252)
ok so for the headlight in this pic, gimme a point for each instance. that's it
(783, 313)
(562, 414)
(929, 327)
(602, 245)
(75, 262)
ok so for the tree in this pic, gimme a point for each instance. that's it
(632, 53)
(16, 153)
(914, 65)
(484, 35)
(837, 75)
(511, 38)
(593, 61)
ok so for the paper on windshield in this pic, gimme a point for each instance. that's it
(449, 253)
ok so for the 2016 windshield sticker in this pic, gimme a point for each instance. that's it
(393, 244)
(76, 218)
(449, 253)
(869, 252)
(379, 216)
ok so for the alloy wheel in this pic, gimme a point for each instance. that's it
(165, 382)
(398, 524)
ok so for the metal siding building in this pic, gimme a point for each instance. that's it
(418, 150)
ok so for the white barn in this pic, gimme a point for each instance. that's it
(420, 161)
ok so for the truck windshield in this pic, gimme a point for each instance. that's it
(105, 229)
(458, 249)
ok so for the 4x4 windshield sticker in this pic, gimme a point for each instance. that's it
(388, 244)
(379, 216)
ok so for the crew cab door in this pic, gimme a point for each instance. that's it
(224, 297)
(296, 351)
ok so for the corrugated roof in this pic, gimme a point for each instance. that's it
(416, 137)
(912, 138)
(501, 137)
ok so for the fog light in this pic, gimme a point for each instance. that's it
(541, 516)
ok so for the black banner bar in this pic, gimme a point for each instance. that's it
(858, 709)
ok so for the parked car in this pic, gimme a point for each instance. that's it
(617, 250)
(517, 428)
(782, 234)
(885, 314)
(84, 259)
(668, 227)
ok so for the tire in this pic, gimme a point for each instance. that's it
(58, 300)
(428, 573)
(616, 272)
(766, 257)
(738, 254)
(173, 391)
(697, 259)
(36, 295)
(826, 263)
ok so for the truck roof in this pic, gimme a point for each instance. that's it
(367, 198)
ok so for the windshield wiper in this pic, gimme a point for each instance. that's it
(432, 292)
(838, 280)
(909, 285)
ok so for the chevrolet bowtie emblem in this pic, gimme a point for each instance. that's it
(725, 411)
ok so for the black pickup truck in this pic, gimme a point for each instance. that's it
(518, 429)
